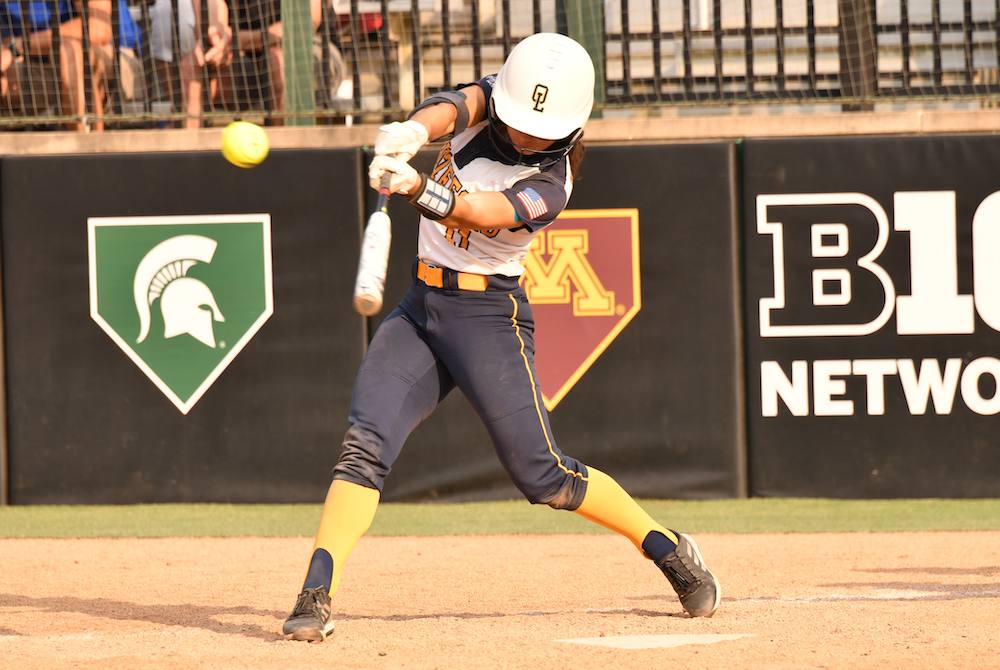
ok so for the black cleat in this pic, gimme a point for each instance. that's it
(695, 585)
(310, 620)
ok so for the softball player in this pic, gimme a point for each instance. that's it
(506, 171)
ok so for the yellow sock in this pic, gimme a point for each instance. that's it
(347, 514)
(607, 504)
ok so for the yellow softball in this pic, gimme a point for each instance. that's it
(244, 144)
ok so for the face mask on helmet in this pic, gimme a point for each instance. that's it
(510, 150)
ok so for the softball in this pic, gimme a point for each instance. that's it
(244, 144)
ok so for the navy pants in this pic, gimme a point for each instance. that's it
(483, 343)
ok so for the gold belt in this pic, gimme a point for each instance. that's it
(435, 277)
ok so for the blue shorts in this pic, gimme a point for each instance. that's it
(483, 343)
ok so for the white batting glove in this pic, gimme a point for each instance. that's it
(404, 178)
(402, 139)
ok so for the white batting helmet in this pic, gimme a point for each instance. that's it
(545, 87)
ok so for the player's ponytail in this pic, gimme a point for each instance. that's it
(575, 158)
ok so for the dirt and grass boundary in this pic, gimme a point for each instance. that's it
(754, 515)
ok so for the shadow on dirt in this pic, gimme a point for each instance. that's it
(206, 618)
(666, 597)
(189, 616)
(497, 615)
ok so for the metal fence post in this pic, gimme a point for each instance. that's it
(4, 452)
(299, 72)
(585, 24)
(858, 65)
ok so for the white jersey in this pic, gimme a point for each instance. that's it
(469, 163)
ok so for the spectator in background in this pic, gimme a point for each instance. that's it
(6, 61)
(38, 51)
(193, 56)
(252, 16)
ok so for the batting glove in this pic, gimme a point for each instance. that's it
(404, 178)
(402, 139)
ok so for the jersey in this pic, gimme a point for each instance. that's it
(469, 163)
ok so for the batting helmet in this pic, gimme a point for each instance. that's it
(545, 88)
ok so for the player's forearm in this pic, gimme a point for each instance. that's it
(486, 210)
(253, 40)
(218, 12)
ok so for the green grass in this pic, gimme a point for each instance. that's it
(756, 515)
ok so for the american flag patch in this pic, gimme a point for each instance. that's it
(533, 201)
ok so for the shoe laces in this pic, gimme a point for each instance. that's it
(678, 572)
(310, 602)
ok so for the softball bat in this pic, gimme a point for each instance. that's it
(370, 283)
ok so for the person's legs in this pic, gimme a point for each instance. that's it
(6, 61)
(391, 397)
(13, 87)
(399, 384)
(676, 554)
(608, 504)
(276, 81)
(487, 347)
(71, 80)
(191, 87)
(223, 87)
(102, 63)
(73, 94)
(504, 392)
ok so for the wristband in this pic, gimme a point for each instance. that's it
(431, 199)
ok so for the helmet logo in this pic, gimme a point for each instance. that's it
(538, 96)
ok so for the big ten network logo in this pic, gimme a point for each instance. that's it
(830, 255)
(582, 280)
(181, 296)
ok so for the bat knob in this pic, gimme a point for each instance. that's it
(367, 305)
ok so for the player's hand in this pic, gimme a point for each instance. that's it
(404, 178)
(220, 51)
(402, 139)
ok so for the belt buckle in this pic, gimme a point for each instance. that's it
(434, 276)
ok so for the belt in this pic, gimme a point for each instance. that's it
(445, 278)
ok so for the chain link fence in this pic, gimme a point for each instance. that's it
(97, 64)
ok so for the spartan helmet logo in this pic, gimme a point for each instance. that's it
(162, 274)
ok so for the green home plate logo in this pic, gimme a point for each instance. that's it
(181, 295)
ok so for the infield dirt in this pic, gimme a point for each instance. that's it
(868, 600)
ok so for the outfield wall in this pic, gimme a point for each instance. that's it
(810, 317)
(872, 300)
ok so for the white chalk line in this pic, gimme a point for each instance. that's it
(873, 597)
(653, 641)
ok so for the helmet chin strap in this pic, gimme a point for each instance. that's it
(506, 147)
